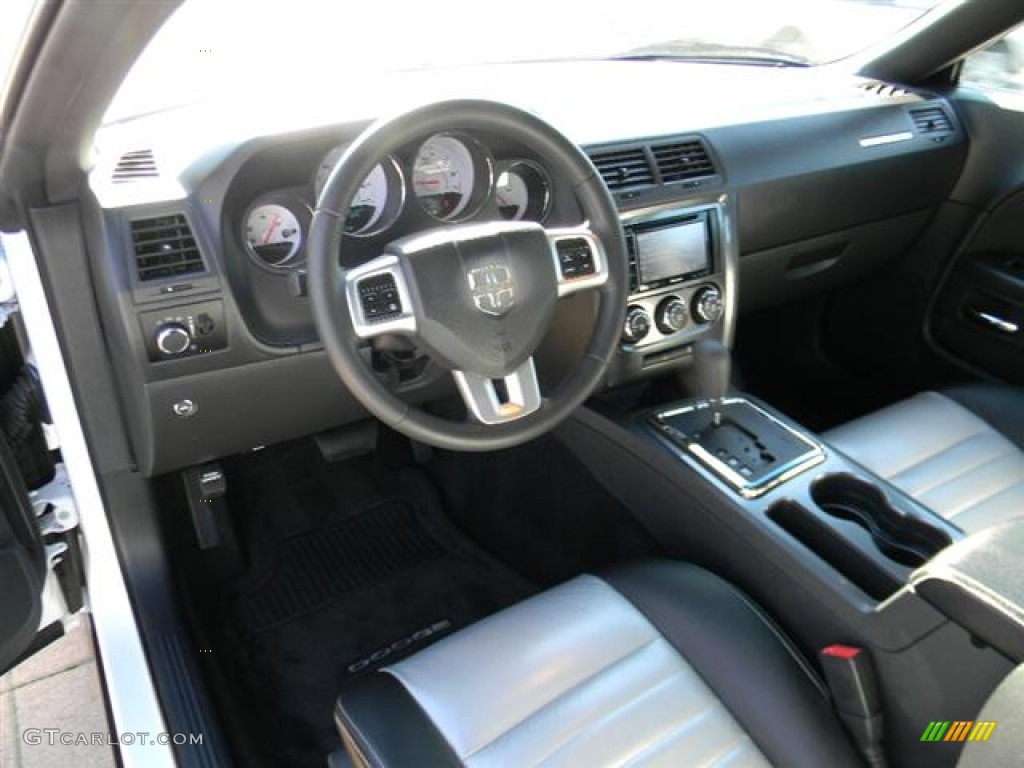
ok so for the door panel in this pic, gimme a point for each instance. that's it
(978, 314)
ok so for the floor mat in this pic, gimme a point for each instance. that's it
(375, 578)
(317, 568)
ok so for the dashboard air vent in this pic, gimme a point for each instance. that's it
(165, 247)
(931, 120)
(134, 166)
(621, 168)
(683, 160)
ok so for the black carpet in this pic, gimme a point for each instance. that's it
(540, 510)
(352, 567)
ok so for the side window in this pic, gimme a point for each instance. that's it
(1000, 65)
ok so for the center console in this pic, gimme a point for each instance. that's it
(809, 496)
(682, 269)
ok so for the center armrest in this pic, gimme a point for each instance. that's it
(978, 582)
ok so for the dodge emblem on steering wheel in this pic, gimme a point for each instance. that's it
(493, 289)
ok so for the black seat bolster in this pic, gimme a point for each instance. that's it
(743, 657)
(1003, 748)
(1000, 405)
(382, 725)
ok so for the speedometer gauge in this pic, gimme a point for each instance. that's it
(273, 234)
(375, 206)
(444, 176)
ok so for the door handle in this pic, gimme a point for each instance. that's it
(994, 322)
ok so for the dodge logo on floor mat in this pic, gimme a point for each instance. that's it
(382, 654)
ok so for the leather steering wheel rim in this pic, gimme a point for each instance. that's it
(327, 278)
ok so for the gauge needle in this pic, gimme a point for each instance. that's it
(270, 229)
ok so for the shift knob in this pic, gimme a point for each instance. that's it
(713, 364)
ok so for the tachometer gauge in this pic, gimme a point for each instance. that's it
(368, 204)
(374, 207)
(273, 234)
(523, 192)
(444, 177)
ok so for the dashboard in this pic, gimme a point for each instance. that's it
(743, 189)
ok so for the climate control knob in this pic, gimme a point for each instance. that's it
(707, 304)
(638, 325)
(671, 315)
(173, 339)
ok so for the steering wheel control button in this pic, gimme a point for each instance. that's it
(173, 339)
(671, 315)
(637, 326)
(378, 297)
(575, 258)
(707, 305)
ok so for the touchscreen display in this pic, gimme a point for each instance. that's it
(671, 252)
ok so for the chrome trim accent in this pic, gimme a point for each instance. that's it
(542, 172)
(724, 272)
(366, 328)
(665, 211)
(747, 488)
(394, 176)
(993, 321)
(133, 701)
(385, 222)
(481, 397)
(460, 233)
(573, 285)
(480, 194)
(889, 138)
(650, 300)
(493, 289)
(303, 214)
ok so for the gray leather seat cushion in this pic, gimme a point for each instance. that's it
(657, 664)
(944, 455)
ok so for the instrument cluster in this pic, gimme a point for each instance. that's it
(448, 178)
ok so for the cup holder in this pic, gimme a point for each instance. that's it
(902, 538)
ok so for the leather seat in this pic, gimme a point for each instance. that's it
(959, 453)
(658, 663)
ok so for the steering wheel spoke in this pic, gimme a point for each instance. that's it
(378, 298)
(497, 401)
(580, 260)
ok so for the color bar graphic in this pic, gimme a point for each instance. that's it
(958, 730)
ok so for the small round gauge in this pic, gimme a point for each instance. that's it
(523, 192)
(273, 234)
(373, 208)
(444, 176)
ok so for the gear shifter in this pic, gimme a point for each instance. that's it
(746, 446)
(713, 365)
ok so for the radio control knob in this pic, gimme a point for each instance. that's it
(671, 315)
(707, 304)
(638, 324)
(173, 339)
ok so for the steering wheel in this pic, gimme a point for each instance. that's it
(478, 297)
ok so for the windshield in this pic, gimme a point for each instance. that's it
(16, 15)
(261, 50)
